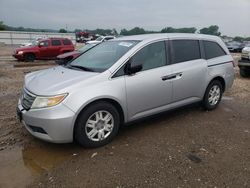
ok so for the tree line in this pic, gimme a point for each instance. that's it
(211, 30)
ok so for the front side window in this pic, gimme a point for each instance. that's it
(151, 56)
(44, 43)
(185, 50)
(102, 56)
(56, 42)
(212, 50)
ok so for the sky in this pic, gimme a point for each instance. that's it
(232, 16)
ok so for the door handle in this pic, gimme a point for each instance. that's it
(172, 76)
(168, 77)
(179, 75)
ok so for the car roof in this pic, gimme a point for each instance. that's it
(158, 36)
(57, 38)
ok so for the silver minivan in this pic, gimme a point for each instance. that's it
(122, 80)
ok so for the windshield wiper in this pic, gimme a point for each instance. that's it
(82, 68)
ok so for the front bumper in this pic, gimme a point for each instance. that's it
(245, 56)
(18, 56)
(54, 124)
(244, 63)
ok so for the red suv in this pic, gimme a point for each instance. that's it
(44, 49)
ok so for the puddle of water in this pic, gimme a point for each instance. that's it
(20, 166)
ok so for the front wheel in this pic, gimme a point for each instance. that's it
(97, 125)
(244, 73)
(29, 57)
(213, 95)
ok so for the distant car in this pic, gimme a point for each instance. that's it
(246, 52)
(235, 46)
(101, 39)
(45, 49)
(66, 57)
(244, 63)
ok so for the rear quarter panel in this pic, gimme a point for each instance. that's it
(221, 67)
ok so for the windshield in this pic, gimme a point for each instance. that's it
(102, 56)
(99, 39)
(34, 42)
(86, 47)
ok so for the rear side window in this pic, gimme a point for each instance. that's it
(44, 43)
(67, 42)
(185, 50)
(56, 42)
(212, 50)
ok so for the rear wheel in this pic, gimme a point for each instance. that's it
(29, 57)
(213, 95)
(97, 125)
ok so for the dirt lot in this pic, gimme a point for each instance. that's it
(187, 147)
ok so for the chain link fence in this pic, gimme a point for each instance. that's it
(19, 37)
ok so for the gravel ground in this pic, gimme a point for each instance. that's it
(188, 147)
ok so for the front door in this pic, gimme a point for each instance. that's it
(44, 49)
(149, 90)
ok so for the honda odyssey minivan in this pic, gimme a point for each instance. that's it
(122, 80)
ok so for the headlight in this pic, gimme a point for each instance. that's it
(43, 102)
(20, 52)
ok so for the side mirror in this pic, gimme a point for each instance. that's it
(132, 69)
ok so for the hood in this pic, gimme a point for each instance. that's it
(68, 54)
(55, 80)
(93, 42)
(246, 49)
(26, 48)
(26, 44)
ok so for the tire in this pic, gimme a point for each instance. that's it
(212, 95)
(244, 73)
(29, 57)
(98, 132)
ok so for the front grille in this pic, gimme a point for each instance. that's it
(27, 99)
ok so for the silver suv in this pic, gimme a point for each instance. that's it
(122, 80)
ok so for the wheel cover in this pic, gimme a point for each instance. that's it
(214, 95)
(99, 125)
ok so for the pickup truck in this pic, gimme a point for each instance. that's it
(244, 63)
(48, 48)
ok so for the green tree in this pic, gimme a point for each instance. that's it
(211, 30)
(239, 39)
(2, 26)
(62, 31)
(134, 31)
(77, 30)
(124, 32)
(179, 30)
(114, 32)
